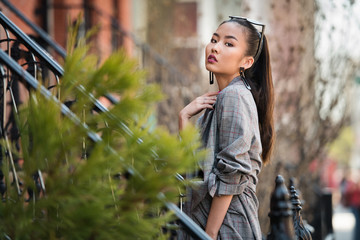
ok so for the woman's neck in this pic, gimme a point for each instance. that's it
(224, 80)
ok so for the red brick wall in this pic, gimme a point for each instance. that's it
(28, 7)
(64, 12)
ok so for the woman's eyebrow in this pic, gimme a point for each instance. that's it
(228, 36)
(232, 37)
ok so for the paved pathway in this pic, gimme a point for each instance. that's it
(343, 223)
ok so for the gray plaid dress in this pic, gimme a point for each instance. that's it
(231, 134)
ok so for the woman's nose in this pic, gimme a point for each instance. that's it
(215, 48)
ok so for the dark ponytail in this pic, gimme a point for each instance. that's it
(260, 79)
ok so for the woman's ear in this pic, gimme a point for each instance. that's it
(248, 62)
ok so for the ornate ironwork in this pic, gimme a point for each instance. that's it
(23, 62)
(301, 231)
(20, 49)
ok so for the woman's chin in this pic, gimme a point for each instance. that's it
(209, 67)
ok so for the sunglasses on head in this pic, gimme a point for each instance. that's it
(261, 33)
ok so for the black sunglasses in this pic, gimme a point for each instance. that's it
(261, 33)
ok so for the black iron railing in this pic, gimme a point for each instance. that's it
(36, 57)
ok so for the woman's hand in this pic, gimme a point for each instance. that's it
(200, 103)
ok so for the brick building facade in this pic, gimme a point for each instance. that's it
(54, 16)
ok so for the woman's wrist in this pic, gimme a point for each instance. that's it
(212, 235)
(183, 115)
(183, 119)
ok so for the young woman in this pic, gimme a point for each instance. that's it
(236, 128)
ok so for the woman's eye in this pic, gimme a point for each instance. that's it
(228, 44)
(213, 40)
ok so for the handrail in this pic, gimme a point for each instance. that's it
(53, 65)
(43, 35)
(31, 45)
(18, 70)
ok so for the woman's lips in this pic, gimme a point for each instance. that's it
(212, 59)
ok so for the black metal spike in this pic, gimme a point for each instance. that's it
(281, 227)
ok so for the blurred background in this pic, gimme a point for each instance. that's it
(315, 62)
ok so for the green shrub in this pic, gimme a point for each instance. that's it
(96, 190)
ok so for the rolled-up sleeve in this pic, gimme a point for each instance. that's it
(230, 173)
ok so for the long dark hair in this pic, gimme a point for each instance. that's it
(260, 79)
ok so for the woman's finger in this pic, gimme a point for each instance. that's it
(208, 100)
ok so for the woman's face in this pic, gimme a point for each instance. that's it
(225, 53)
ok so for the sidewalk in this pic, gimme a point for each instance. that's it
(343, 223)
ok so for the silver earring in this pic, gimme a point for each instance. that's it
(211, 77)
(242, 75)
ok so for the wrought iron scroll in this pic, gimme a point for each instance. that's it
(301, 231)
